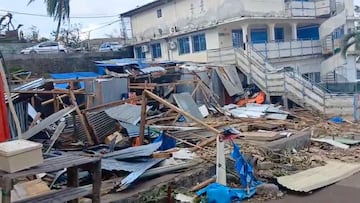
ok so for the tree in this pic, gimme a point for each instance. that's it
(70, 35)
(33, 34)
(59, 10)
(351, 39)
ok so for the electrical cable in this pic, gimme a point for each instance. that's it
(43, 15)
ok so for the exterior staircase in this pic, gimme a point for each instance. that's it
(327, 28)
(278, 82)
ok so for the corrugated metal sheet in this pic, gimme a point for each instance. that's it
(132, 130)
(32, 85)
(153, 69)
(127, 113)
(131, 152)
(111, 90)
(47, 121)
(136, 174)
(115, 165)
(102, 124)
(187, 103)
(319, 177)
(21, 109)
(230, 79)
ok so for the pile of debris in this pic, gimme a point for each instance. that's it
(166, 142)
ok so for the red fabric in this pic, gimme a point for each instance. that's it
(4, 127)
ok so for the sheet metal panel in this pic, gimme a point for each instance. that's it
(131, 152)
(319, 177)
(187, 103)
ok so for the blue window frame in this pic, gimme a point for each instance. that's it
(279, 34)
(184, 45)
(259, 35)
(139, 53)
(199, 42)
(237, 38)
(156, 50)
(338, 33)
(310, 32)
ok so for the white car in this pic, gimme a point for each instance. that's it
(45, 48)
(110, 46)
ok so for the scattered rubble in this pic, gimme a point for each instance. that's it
(158, 129)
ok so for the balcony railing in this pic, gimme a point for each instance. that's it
(273, 50)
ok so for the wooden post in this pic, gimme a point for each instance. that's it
(143, 117)
(73, 180)
(81, 117)
(96, 175)
(186, 114)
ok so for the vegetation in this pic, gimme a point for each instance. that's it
(59, 10)
(351, 39)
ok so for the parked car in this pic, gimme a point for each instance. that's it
(110, 46)
(45, 48)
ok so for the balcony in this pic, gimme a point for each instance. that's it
(307, 9)
(272, 50)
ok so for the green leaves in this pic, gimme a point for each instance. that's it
(350, 40)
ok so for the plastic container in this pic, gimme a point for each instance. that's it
(18, 155)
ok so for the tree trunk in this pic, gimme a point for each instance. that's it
(58, 30)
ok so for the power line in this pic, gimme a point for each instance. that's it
(42, 15)
(101, 27)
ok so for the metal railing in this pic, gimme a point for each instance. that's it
(292, 48)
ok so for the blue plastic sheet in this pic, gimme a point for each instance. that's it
(167, 142)
(217, 193)
(337, 120)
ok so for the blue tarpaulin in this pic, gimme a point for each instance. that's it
(74, 75)
(167, 142)
(217, 193)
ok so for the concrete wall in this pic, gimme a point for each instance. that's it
(301, 65)
(212, 42)
(57, 63)
(13, 48)
(191, 14)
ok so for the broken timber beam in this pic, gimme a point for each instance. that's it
(143, 117)
(81, 117)
(112, 104)
(186, 114)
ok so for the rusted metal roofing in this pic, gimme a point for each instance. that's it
(319, 177)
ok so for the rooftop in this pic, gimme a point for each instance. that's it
(145, 7)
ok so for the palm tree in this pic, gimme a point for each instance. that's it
(351, 39)
(59, 10)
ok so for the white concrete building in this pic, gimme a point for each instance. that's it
(304, 35)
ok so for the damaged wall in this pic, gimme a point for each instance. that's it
(192, 14)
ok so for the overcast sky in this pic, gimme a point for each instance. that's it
(78, 8)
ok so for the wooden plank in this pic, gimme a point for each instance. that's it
(36, 119)
(52, 164)
(171, 106)
(112, 104)
(143, 118)
(82, 119)
(56, 135)
(262, 136)
(59, 196)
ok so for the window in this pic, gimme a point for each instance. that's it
(237, 38)
(259, 35)
(279, 34)
(199, 42)
(308, 32)
(139, 53)
(156, 50)
(358, 74)
(184, 45)
(159, 13)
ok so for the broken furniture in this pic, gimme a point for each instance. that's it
(71, 192)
